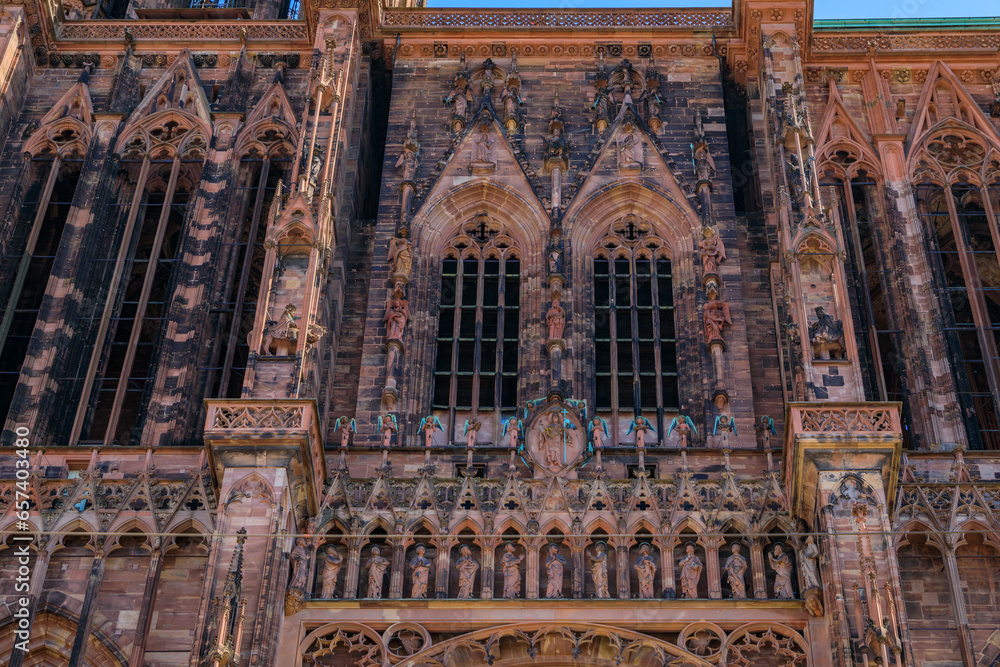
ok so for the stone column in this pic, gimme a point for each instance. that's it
(759, 574)
(146, 608)
(712, 569)
(487, 568)
(78, 656)
(41, 566)
(352, 582)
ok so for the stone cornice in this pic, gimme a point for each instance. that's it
(529, 19)
(888, 43)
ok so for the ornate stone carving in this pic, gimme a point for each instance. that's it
(376, 566)
(715, 315)
(555, 439)
(554, 566)
(556, 18)
(735, 567)
(467, 568)
(397, 314)
(511, 565)
(641, 426)
(782, 565)
(711, 251)
(420, 568)
(599, 570)
(281, 335)
(826, 335)
(555, 319)
(684, 427)
(330, 571)
(645, 568)
(691, 568)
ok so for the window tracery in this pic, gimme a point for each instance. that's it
(635, 341)
(478, 322)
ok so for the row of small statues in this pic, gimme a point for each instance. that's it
(691, 569)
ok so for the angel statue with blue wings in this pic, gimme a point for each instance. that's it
(346, 426)
(641, 426)
(515, 427)
(387, 426)
(427, 426)
(684, 427)
(724, 425)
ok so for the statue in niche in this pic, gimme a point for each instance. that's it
(554, 566)
(807, 564)
(484, 147)
(376, 573)
(601, 107)
(397, 314)
(300, 565)
(641, 426)
(599, 570)
(555, 318)
(556, 145)
(736, 567)
(691, 568)
(332, 562)
(684, 427)
(555, 260)
(510, 562)
(645, 568)
(627, 144)
(420, 569)
(711, 250)
(281, 335)
(467, 568)
(315, 167)
(715, 315)
(401, 255)
(827, 336)
(554, 427)
(782, 565)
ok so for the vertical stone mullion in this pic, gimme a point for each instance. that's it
(146, 609)
(78, 655)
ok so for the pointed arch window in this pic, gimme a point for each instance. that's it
(857, 202)
(960, 222)
(48, 196)
(635, 341)
(478, 323)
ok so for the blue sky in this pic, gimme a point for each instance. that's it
(825, 9)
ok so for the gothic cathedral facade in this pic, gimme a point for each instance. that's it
(357, 332)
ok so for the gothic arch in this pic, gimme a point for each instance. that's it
(438, 220)
(51, 643)
(672, 219)
(592, 643)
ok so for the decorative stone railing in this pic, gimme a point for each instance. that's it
(268, 432)
(556, 18)
(868, 418)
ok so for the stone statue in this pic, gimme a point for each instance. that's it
(472, 427)
(345, 426)
(427, 426)
(716, 315)
(598, 432)
(397, 314)
(684, 427)
(555, 318)
(387, 426)
(555, 258)
(599, 570)
(511, 100)
(484, 148)
(691, 568)
(331, 570)
(711, 250)
(627, 144)
(514, 427)
(467, 568)
(807, 564)
(420, 573)
(401, 255)
(283, 330)
(645, 567)
(556, 145)
(724, 427)
(782, 565)
(300, 565)
(459, 100)
(511, 572)
(554, 566)
(376, 573)
(736, 566)
(827, 336)
(641, 426)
